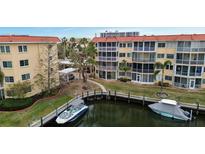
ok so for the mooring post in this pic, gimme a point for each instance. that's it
(82, 95)
(87, 93)
(129, 97)
(41, 121)
(67, 105)
(95, 94)
(115, 95)
(143, 100)
(197, 109)
(56, 112)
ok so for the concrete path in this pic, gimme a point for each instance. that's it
(100, 85)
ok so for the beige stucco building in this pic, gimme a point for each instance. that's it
(186, 52)
(21, 59)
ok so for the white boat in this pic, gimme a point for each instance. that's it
(171, 109)
(72, 113)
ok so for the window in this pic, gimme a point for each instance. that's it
(9, 79)
(25, 76)
(5, 49)
(160, 55)
(169, 67)
(168, 78)
(203, 81)
(22, 48)
(129, 45)
(170, 56)
(24, 63)
(122, 54)
(7, 64)
(129, 54)
(161, 45)
(122, 45)
(121, 73)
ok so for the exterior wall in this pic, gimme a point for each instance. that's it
(171, 47)
(33, 55)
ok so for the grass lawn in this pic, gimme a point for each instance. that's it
(43, 107)
(22, 118)
(182, 95)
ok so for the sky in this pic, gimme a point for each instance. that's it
(90, 32)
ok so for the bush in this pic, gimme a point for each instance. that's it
(165, 84)
(15, 104)
(124, 79)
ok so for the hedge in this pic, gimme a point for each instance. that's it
(15, 104)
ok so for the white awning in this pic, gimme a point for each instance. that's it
(67, 70)
(66, 62)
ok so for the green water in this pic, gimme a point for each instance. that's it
(109, 114)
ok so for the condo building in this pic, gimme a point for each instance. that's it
(186, 52)
(21, 60)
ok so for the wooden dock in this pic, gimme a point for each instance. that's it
(112, 95)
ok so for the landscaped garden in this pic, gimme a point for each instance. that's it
(181, 95)
(44, 106)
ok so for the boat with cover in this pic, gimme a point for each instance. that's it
(171, 109)
(74, 111)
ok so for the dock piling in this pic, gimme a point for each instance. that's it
(143, 101)
(41, 121)
(128, 97)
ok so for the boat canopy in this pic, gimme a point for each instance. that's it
(168, 101)
(67, 70)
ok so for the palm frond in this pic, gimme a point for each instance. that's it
(158, 65)
(156, 73)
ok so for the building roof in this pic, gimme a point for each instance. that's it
(181, 37)
(68, 70)
(28, 39)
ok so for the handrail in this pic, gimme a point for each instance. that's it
(60, 109)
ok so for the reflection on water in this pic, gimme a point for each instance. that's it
(108, 114)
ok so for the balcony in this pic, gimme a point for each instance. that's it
(143, 70)
(190, 74)
(181, 73)
(187, 49)
(143, 59)
(180, 61)
(107, 48)
(107, 58)
(196, 62)
(195, 74)
(108, 68)
(144, 49)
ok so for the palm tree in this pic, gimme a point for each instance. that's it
(124, 67)
(1, 81)
(64, 44)
(91, 52)
(160, 67)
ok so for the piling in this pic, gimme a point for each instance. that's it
(41, 121)
(115, 95)
(95, 95)
(82, 95)
(128, 97)
(56, 112)
(143, 101)
(197, 109)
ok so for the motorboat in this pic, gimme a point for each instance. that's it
(72, 113)
(171, 109)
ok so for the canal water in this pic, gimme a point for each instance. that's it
(118, 114)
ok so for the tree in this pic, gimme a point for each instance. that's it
(48, 75)
(124, 66)
(91, 52)
(160, 67)
(19, 89)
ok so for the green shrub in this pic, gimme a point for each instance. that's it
(124, 79)
(15, 104)
(165, 84)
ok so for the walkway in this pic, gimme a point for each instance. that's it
(100, 85)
